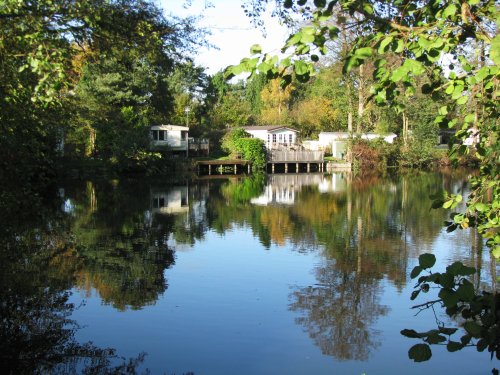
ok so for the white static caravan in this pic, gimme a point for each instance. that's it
(274, 136)
(175, 137)
(338, 141)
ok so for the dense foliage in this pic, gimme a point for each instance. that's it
(238, 144)
(450, 51)
(407, 42)
(86, 78)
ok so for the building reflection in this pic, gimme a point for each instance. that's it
(283, 189)
(175, 200)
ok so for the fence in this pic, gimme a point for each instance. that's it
(286, 156)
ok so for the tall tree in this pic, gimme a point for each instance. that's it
(423, 35)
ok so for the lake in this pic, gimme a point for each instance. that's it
(276, 274)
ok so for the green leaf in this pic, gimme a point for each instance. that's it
(307, 38)
(415, 271)
(363, 53)
(450, 10)
(447, 331)
(435, 338)
(399, 73)
(427, 260)
(473, 329)
(458, 269)
(420, 352)
(482, 73)
(480, 207)
(351, 63)
(308, 30)
(424, 42)
(495, 50)
(481, 345)
(411, 333)
(293, 39)
(264, 67)
(443, 111)
(384, 44)
(256, 48)
(449, 297)
(399, 46)
(453, 346)
(414, 294)
(466, 291)
(301, 67)
(448, 203)
(414, 66)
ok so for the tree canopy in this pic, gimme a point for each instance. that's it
(453, 44)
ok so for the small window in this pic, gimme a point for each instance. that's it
(274, 138)
(290, 137)
(162, 135)
(155, 135)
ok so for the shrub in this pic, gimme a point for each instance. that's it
(252, 149)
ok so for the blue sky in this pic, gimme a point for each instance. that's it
(231, 31)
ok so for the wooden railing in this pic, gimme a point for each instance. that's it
(288, 156)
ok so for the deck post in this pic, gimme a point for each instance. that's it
(249, 169)
(235, 168)
(296, 167)
(209, 169)
(308, 167)
(221, 169)
(286, 167)
(272, 168)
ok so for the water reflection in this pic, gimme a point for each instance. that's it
(120, 253)
(339, 311)
(120, 238)
(37, 272)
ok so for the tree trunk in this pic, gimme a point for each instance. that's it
(405, 129)
(361, 98)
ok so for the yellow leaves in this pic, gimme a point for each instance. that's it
(275, 100)
(278, 223)
(315, 112)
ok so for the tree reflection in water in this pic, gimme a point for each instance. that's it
(37, 270)
(339, 311)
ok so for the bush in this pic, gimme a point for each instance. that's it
(417, 154)
(236, 142)
(252, 149)
(364, 155)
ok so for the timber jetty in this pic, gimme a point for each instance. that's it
(235, 166)
(278, 161)
(295, 161)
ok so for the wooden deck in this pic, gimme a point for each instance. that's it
(233, 166)
(295, 161)
(289, 156)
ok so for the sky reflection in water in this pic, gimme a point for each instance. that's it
(282, 274)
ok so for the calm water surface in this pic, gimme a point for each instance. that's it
(284, 274)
